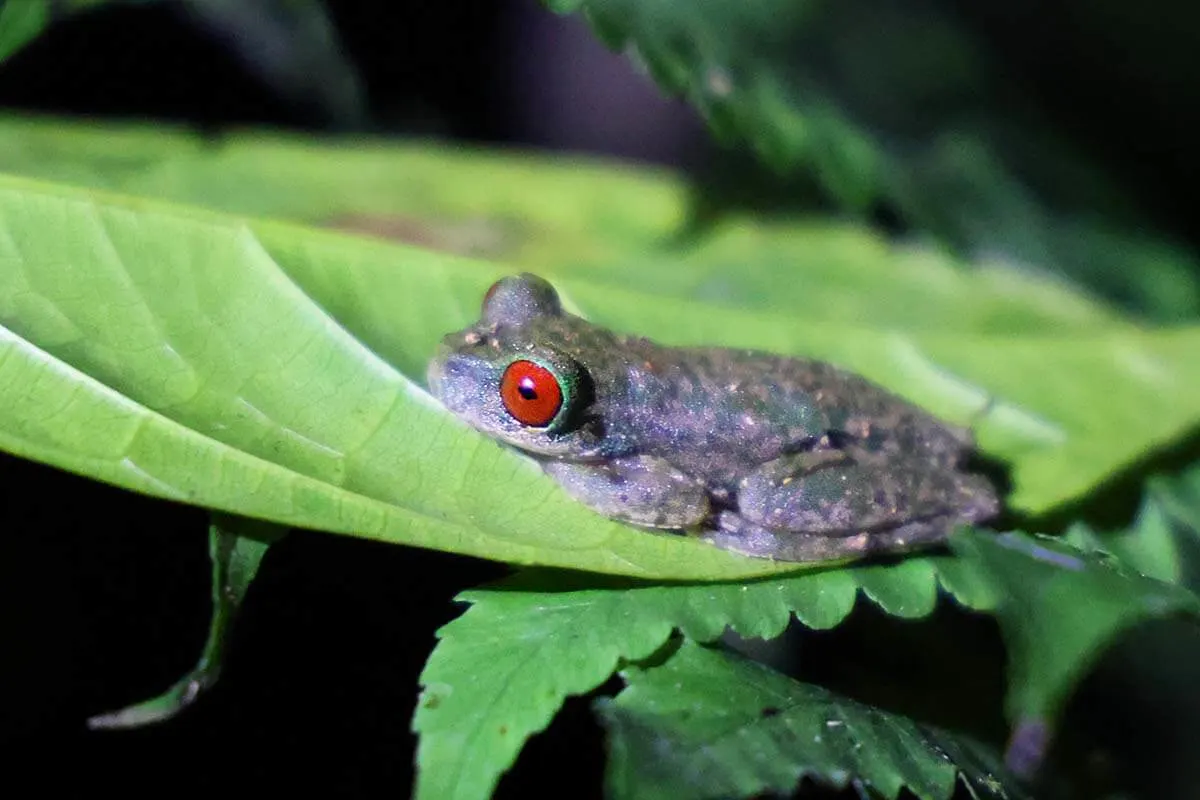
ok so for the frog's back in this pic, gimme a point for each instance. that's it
(724, 410)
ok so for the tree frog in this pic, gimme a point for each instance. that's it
(766, 455)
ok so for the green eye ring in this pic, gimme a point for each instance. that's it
(536, 392)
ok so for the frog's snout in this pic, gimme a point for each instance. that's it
(442, 371)
(452, 379)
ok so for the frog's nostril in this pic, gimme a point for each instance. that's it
(452, 369)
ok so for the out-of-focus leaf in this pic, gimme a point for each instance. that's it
(20, 22)
(1059, 607)
(709, 724)
(626, 229)
(515, 207)
(908, 104)
(1178, 501)
(1164, 541)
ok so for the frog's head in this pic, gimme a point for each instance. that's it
(504, 376)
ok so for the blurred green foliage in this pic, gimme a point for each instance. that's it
(227, 324)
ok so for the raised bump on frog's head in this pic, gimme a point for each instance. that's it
(519, 298)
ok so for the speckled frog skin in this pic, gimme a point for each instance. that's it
(762, 454)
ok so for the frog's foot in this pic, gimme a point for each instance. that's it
(738, 534)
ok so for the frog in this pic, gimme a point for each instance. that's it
(767, 455)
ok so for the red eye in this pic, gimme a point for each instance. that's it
(531, 393)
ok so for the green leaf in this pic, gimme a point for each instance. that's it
(545, 636)
(626, 229)
(1149, 546)
(167, 352)
(1163, 542)
(1059, 608)
(270, 371)
(1175, 503)
(737, 64)
(708, 723)
(236, 547)
(846, 274)
(520, 208)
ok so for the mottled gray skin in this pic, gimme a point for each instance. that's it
(770, 456)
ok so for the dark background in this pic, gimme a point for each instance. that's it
(105, 593)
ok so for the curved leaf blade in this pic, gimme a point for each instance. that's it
(195, 369)
(267, 370)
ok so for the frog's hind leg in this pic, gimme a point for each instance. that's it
(848, 504)
(860, 491)
(742, 536)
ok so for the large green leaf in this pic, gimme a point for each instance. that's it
(627, 228)
(545, 636)
(519, 208)
(167, 352)
(198, 357)
(708, 723)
